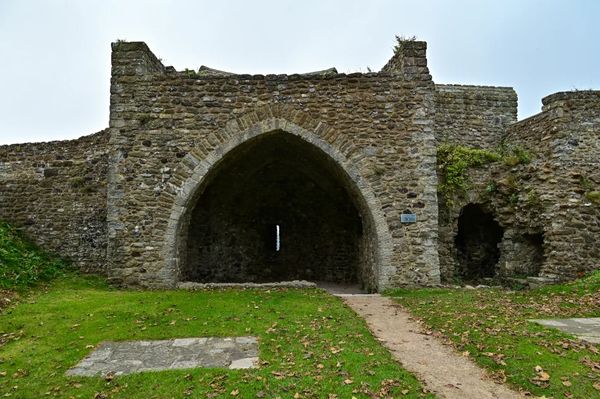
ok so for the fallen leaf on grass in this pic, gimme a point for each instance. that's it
(542, 377)
(277, 374)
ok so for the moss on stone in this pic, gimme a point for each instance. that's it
(593, 196)
(511, 160)
(533, 198)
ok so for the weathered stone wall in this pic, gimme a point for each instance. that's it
(571, 171)
(550, 226)
(56, 193)
(475, 116)
(169, 128)
(130, 201)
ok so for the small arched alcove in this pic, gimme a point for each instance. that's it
(532, 253)
(277, 207)
(477, 243)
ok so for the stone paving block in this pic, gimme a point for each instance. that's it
(181, 353)
(587, 329)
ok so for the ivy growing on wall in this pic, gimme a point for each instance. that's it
(453, 162)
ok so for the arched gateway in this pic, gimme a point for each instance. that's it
(219, 177)
(276, 202)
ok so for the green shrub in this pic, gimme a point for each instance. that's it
(22, 264)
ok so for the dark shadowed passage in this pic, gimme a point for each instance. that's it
(477, 243)
(275, 208)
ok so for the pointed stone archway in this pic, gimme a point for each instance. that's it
(276, 174)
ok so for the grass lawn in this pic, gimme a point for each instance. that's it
(491, 326)
(311, 345)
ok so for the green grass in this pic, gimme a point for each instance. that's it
(22, 264)
(311, 345)
(492, 327)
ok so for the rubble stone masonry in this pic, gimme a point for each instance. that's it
(197, 167)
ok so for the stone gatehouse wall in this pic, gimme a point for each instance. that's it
(56, 193)
(165, 125)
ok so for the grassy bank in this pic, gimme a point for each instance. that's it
(22, 264)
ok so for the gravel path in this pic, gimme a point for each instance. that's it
(438, 366)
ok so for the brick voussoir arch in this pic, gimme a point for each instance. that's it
(198, 166)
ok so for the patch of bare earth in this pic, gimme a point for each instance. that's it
(438, 366)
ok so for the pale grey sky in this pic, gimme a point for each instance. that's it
(54, 80)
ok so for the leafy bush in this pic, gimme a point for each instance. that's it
(22, 264)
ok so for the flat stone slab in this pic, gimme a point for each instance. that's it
(128, 357)
(587, 329)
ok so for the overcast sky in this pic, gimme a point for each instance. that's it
(55, 71)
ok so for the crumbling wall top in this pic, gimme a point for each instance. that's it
(134, 58)
(409, 60)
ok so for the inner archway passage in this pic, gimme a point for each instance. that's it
(477, 243)
(275, 208)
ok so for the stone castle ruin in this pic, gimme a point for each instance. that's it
(383, 179)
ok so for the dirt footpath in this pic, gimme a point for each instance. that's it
(438, 366)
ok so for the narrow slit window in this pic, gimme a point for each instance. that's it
(277, 238)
